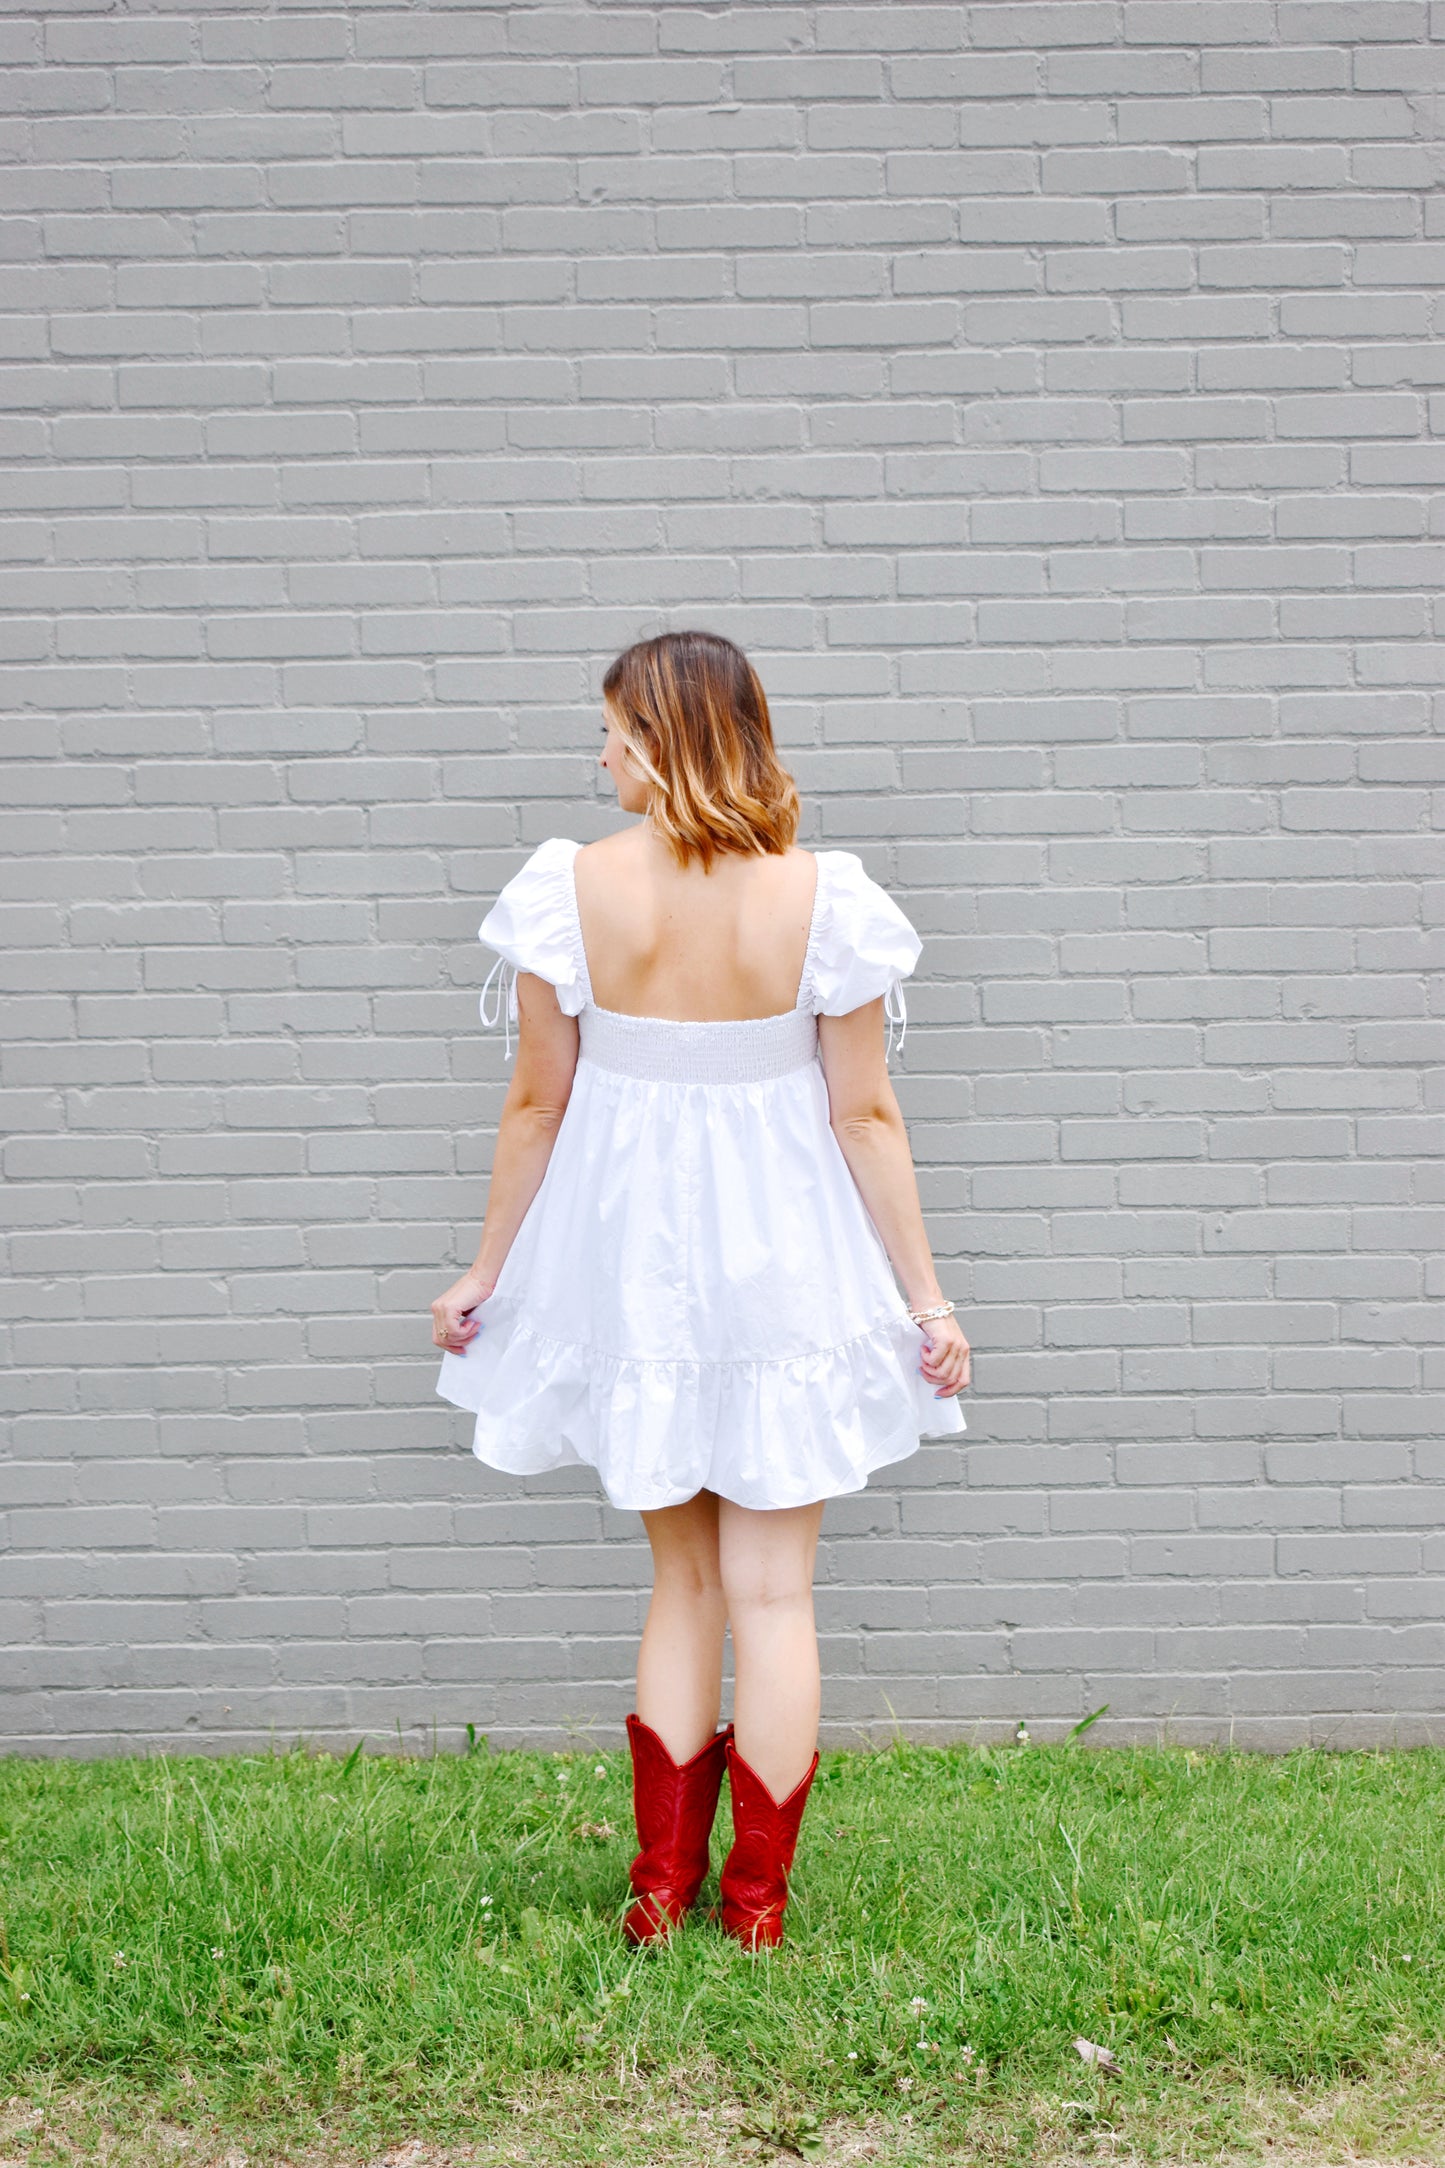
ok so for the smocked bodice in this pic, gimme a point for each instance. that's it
(750, 1050)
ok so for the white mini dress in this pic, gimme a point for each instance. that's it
(697, 1297)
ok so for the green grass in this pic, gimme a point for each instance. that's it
(291, 1951)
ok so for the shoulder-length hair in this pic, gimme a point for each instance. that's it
(693, 713)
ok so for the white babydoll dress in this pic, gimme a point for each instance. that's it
(697, 1296)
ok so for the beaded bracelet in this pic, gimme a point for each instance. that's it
(921, 1317)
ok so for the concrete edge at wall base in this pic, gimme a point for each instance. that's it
(1261, 1735)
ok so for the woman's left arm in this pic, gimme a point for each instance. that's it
(865, 1118)
(547, 1044)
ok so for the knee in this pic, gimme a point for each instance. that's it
(766, 1563)
(692, 1576)
(764, 1591)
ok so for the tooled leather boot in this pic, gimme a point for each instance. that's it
(754, 1881)
(674, 1803)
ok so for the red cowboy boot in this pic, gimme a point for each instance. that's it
(754, 1881)
(674, 1803)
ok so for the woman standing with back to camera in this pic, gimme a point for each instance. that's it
(701, 1176)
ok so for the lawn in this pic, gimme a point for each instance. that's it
(299, 1958)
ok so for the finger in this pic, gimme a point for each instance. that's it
(458, 1334)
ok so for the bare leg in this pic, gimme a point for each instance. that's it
(767, 1563)
(679, 1665)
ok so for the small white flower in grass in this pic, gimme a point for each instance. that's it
(599, 1771)
(218, 1953)
(483, 1903)
(919, 2002)
(905, 2085)
(120, 1960)
(965, 2055)
(1407, 1959)
(852, 2055)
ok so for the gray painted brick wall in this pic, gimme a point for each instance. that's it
(1050, 398)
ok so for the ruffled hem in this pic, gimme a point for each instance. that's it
(765, 1434)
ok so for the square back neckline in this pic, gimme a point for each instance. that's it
(696, 1023)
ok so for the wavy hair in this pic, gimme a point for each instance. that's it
(692, 711)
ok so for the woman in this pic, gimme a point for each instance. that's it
(701, 1176)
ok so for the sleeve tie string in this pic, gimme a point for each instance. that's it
(504, 1010)
(895, 1008)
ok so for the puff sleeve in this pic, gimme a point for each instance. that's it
(533, 927)
(863, 944)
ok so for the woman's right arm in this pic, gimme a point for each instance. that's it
(546, 1062)
(867, 1121)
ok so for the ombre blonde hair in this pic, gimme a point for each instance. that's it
(693, 714)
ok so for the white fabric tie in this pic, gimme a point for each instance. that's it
(506, 1005)
(895, 1008)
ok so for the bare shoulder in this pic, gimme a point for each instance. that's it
(803, 863)
(609, 861)
(614, 850)
(790, 867)
(783, 884)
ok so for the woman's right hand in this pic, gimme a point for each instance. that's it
(451, 1326)
(947, 1359)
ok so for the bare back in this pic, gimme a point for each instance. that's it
(667, 941)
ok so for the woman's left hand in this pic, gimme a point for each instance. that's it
(947, 1358)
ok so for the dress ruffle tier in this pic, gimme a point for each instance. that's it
(764, 1434)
